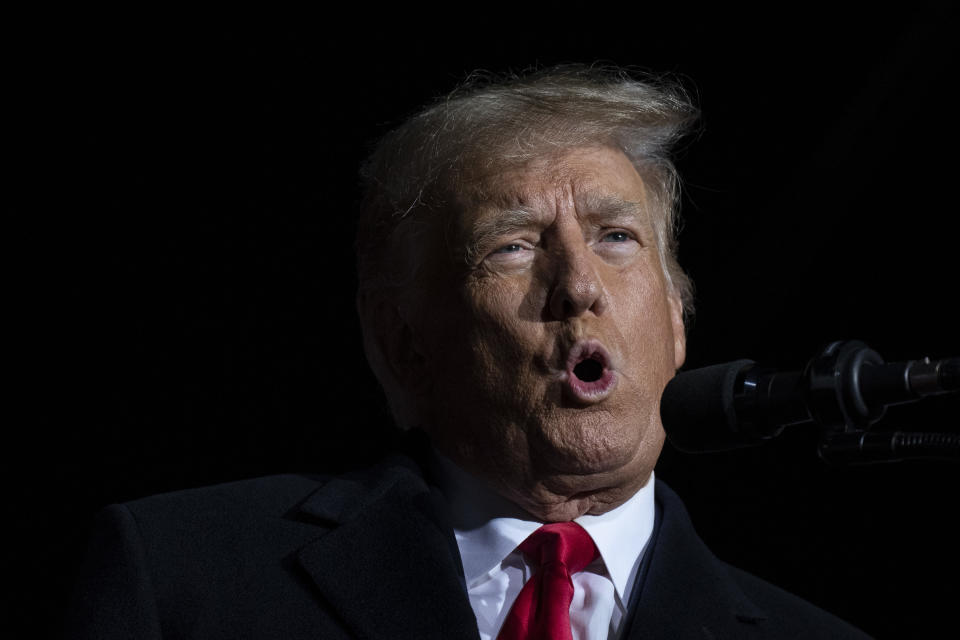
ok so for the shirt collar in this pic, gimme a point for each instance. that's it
(489, 527)
(622, 535)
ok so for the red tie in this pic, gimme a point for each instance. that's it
(542, 609)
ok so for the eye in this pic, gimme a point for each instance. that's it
(616, 246)
(616, 236)
(518, 252)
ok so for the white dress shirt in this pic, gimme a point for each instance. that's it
(488, 529)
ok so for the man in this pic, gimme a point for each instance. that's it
(523, 309)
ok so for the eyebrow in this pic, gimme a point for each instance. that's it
(606, 208)
(503, 222)
(507, 221)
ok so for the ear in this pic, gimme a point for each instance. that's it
(401, 345)
(679, 331)
(391, 344)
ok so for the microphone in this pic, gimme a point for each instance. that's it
(844, 389)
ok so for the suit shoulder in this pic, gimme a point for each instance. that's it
(224, 512)
(189, 561)
(268, 492)
(798, 617)
(222, 533)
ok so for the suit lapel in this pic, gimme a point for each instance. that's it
(390, 568)
(685, 592)
(389, 565)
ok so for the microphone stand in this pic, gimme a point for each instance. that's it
(847, 388)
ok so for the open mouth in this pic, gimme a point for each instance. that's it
(589, 370)
(589, 375)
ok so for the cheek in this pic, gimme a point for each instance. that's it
(502, 348)
(644, 303)
(497, 326)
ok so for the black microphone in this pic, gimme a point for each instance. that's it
(847, 387)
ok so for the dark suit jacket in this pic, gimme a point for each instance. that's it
(370, 555)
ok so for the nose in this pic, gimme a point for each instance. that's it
(577, 288)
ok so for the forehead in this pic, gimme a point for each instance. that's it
(578, 177)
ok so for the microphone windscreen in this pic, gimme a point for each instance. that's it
(697, 409)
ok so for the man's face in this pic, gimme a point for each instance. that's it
(544, 357)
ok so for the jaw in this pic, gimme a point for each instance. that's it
(559, 488)
(561, 499)
(554, 456)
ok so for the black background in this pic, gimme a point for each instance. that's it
(182, 227)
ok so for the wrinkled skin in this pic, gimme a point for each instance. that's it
(487, 345)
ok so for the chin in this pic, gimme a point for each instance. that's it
(567, 498)
(597, 443)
